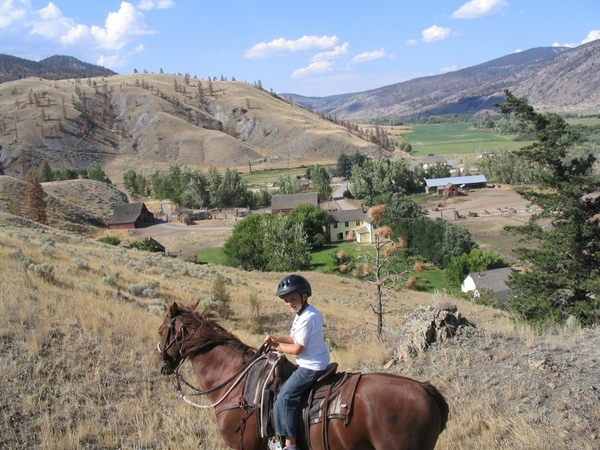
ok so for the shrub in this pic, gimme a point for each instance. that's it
(110, 240)
(145, 288)
(44, 270)
(219, 299)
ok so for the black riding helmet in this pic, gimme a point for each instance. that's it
(293, 283)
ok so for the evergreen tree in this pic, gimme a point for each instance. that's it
(35, 206)
(563, 278)
(45, 173)
(344, 167)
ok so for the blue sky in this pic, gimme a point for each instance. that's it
(308, 47)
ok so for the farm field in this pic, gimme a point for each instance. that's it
(456, 139)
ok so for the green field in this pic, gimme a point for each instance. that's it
(457, 139)
(586, 121)
(322, 260)
(262, 177)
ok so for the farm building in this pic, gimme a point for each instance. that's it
(494, 280)
(351, 224)
(284, 203)
(440, 185)
(129, 215)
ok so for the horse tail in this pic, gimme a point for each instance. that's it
(439, 400)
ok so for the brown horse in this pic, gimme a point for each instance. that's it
(389, 411)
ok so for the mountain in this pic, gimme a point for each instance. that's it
(52, 68)
(555, 78)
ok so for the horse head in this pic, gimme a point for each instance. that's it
(172, 334)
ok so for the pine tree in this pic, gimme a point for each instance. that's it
(35, 206)
(564, 257)
(45, 173)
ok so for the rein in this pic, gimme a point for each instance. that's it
(259, 355)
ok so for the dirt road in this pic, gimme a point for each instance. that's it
(187, 240)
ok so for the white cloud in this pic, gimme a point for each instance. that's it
(369, 56)
(412, 42)
(449, 69)
(592, 36)
(78, 33)
(435, 33)
(558, 44)
(9, 13)
(120, 27)
(148, 5)
(337, 52)
(476, 9)
(50, 22)
(315, 68)
(281, 46)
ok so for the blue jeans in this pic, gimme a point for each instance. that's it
(287, 405)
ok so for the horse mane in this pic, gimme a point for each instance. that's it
(205, 334)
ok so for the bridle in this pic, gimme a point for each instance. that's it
(178, 338)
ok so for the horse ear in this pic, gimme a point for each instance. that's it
(173, 310)
(193, 306)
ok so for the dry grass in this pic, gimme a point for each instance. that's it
(77, 344)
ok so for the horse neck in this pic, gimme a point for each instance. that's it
(215, 366)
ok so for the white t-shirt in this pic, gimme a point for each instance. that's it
(307, 330)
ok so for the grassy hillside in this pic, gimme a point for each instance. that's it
(148, 121)
(78, 323)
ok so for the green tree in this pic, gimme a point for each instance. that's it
(233, 189)
(96, 173)
(314, 220)
(288, 185)
(216, 194)
(45, 173)
(344, 167)
(437, 241)
(438, 170)
(285, 243)
(320, 181)
(475, 260)
(563, 278)
(398, 206)
(245, 246)
(130, 181)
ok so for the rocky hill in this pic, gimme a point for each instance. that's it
(148, 121)
(552, 78)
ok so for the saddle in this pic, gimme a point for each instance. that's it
(331, 397)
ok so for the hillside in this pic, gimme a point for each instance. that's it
(76, 205)
(55, 67)
(78, 323)
(552, 78)
(149, 121)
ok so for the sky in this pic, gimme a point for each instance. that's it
(309, 47)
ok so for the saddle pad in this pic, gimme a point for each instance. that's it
(337, 395)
